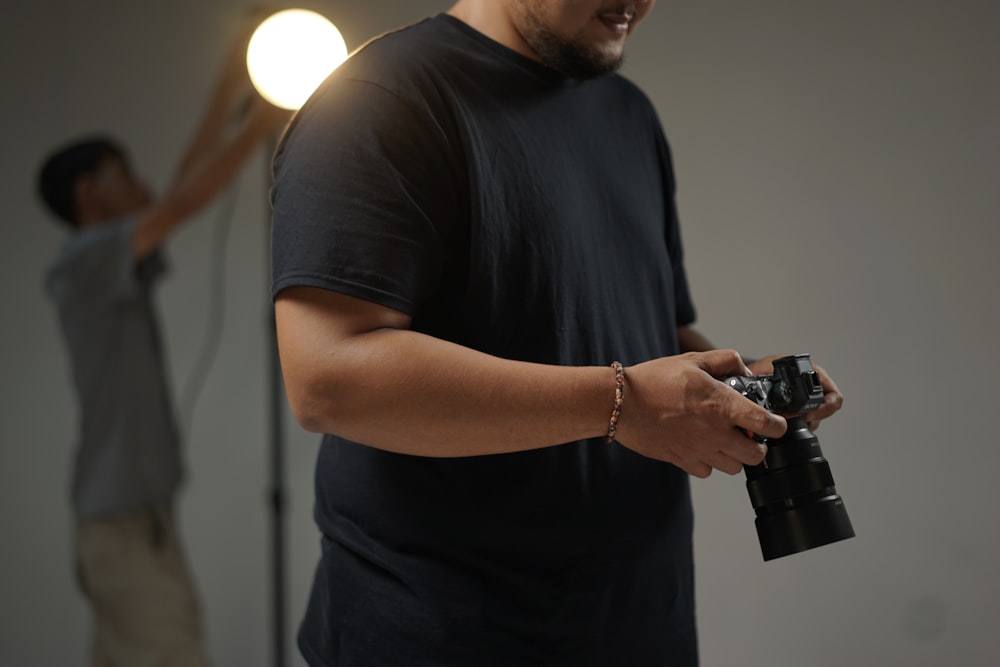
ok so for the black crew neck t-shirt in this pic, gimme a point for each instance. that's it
(531, 216)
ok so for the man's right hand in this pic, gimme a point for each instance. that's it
(676, 410)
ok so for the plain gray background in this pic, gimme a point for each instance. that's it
(839, 169)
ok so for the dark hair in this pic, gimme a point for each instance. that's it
(64, 166)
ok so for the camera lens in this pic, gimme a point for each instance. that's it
(794, 496)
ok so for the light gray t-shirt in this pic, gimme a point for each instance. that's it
(128, 449)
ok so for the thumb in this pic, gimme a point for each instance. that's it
(756, 420)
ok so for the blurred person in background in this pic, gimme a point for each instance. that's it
(128, 465)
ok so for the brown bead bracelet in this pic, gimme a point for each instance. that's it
(616, 408)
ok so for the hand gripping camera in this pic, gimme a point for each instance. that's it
(792, 491)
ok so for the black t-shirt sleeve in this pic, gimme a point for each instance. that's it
(683, 304)
(364, 197)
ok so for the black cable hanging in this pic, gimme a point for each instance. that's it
(215, 320)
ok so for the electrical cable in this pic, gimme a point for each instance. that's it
(212, 337)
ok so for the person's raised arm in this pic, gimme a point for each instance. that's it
(355, 369)
(199, 185)
(235, 123)
(230, 97)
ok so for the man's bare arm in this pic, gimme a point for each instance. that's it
(355, 369)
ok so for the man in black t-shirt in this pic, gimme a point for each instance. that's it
(474, 223)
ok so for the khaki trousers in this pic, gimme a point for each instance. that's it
(133, 573)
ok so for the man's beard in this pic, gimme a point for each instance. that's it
(566, 56)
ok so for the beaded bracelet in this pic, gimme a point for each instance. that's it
(616, 408)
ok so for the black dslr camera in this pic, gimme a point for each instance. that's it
(792, 491)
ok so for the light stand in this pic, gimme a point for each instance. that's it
(288, 56)
(277, 479)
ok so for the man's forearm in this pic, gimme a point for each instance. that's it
(231, 90)
(356, 369)
(690, 339)
(213, 171)
(406, 392)
(200, 183)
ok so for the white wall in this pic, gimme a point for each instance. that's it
(838, 167)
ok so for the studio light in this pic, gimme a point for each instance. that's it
(290, 54)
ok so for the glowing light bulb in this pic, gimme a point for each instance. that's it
(290, 53)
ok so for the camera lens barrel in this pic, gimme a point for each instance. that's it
(794, 496)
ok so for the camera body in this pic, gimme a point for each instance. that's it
(793, 389)
(792, 491)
